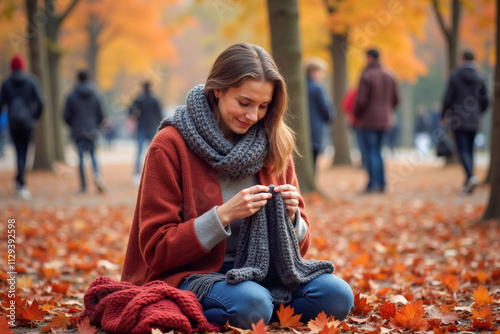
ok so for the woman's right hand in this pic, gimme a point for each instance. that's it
(244, 204)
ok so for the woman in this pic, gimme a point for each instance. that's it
(206, 173)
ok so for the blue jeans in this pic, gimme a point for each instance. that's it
(372, 142)
(142, 138)
(86, 146)
(465, 148)
(247, 302)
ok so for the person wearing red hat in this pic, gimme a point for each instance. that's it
(20, 95)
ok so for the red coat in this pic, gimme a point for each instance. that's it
(177, 186)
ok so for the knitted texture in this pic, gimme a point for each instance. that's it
(268, 253)
(197, 124)
(121, 307)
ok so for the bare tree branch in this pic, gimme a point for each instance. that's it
(68, 10)
(439, 17)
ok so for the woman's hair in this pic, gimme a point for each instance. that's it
(247, 61)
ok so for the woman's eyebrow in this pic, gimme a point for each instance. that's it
(249, 99)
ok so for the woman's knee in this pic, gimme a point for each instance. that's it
(327, 293)
(245, 304)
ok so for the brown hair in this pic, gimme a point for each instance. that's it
(247, 61)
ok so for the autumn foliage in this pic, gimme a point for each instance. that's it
(415, 260)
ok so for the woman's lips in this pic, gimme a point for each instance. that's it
(243, 124)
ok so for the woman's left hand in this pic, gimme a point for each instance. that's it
(291, 198)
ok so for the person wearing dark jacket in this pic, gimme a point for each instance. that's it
(377, 97)
(321, 110)
(21, 95)
(84, 114)
(466, 99)
(147, 110)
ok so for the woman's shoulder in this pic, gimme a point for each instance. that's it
(169, 138)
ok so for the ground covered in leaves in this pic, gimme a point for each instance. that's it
(416, 257)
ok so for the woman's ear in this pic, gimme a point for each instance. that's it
(217, 93)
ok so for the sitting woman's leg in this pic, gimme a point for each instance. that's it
(241, 304)
(328, 293)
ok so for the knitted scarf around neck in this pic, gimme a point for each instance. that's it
(267, 253)
(199, 129)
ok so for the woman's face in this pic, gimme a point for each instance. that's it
(243, 106)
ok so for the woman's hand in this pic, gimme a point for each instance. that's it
(244, 204)
(291, 198)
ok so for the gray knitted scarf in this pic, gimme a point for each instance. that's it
(267, 253)
(199, 129)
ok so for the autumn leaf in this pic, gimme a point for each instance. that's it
(4, 326)
(481, 324)
(320, 321)
(60, 320)
(361, 306)
(482, 296)
(286, 317)
(329, 330)
(227, 327)
(442, 314)
(260, 328)
(450, 281)
(60, 288)
(484, 313)
(410, 316)
(387, 310)
(84, 327)
(32, 312)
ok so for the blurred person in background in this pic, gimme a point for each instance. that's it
(21, 95)
(321, 109)
(201, 217)
(4, 125)
(84, 114)
(465, 100)
(348, 103)
(146, 109)
(423, 128)
(376, 99)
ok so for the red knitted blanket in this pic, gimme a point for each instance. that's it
(121, 307)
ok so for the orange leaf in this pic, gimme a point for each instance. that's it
(286, 317)
(32, 312)
(84, 327)
(484, 313)
(410, 316)
(329, 330)
(361, 306)
(59, 321)
(450, 281)
(260, 328)
(4, 326)
(320, 321)
(387, 310)
(60, 288)
(482, 296)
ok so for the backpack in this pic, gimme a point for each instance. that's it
(20, 115)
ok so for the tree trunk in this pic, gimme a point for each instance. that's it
(340, 127)
(406, 119)
(53, 54)
(287, 52)
(493, 208)
(93, 29)
(451, 37)
(44, 140)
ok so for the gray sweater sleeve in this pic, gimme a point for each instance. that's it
(209, 229)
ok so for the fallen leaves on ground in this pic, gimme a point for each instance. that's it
(414, 262)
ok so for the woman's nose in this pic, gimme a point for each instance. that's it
(252, 114)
